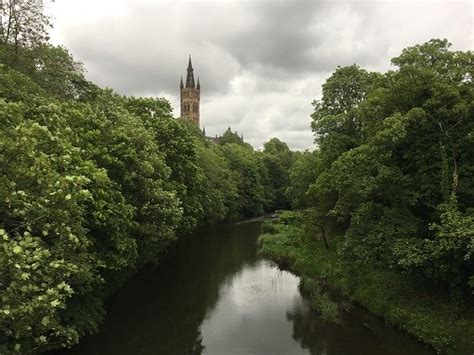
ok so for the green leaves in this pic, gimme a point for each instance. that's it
(247, 170)
(68, 214)
(93, 187)
(394, 151)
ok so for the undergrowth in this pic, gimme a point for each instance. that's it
(398, 299)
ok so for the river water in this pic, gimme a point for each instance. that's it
(213, 294)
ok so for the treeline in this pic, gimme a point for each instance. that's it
(94, 185)
(391, 184)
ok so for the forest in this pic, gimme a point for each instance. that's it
(94, 185)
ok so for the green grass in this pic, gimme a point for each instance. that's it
(394, 297)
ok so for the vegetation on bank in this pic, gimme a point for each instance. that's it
(94, 185)
(398, 298)
(389, 193)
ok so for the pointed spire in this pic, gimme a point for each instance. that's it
(190, 76)
(181, 85)
(190, 64)
(198, 86)
(204, 131)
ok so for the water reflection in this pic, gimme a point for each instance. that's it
(213, 294)
(358, 333)
(250, 316)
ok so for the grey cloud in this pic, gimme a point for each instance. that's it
(277, 36)
(147, 51)
(261, 63)
(291, 39)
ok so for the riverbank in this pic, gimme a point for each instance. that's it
(385, 293)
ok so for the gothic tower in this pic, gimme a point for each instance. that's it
(190, 96)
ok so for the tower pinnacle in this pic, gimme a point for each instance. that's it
(190, 95)
(190, 76)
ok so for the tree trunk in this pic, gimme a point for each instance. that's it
(323, 234)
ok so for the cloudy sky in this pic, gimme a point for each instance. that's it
(261, 63)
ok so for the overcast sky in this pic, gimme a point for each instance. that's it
(261, 63)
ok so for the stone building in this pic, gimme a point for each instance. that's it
(190, 95)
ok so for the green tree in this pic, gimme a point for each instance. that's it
(23, 27)
(176, 145)
(396, 151)
(278, 159)
(302, 175)
(246, 170)
(50, 194)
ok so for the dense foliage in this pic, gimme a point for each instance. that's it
(94, 185)
(386, 200)
(394, 168)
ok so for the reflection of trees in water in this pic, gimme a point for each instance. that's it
(358, 333)
(161, 309)
(308, 328)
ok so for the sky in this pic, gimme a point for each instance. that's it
(261, 63)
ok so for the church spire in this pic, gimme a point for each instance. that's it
(190, 76)
(190, 95)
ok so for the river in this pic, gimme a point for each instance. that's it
(213, 294)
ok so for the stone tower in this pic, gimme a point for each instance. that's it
(190, 95)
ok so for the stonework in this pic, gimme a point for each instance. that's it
(190, 95)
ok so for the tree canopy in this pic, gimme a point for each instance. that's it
(394, 165)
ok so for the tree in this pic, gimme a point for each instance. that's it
(396, 164)
(247, 171)
(176, 145)
(220, 193)
(51, 197)
(60, 75)
(23, 27)
(334, 123)
(278, 159)
(302, 175)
